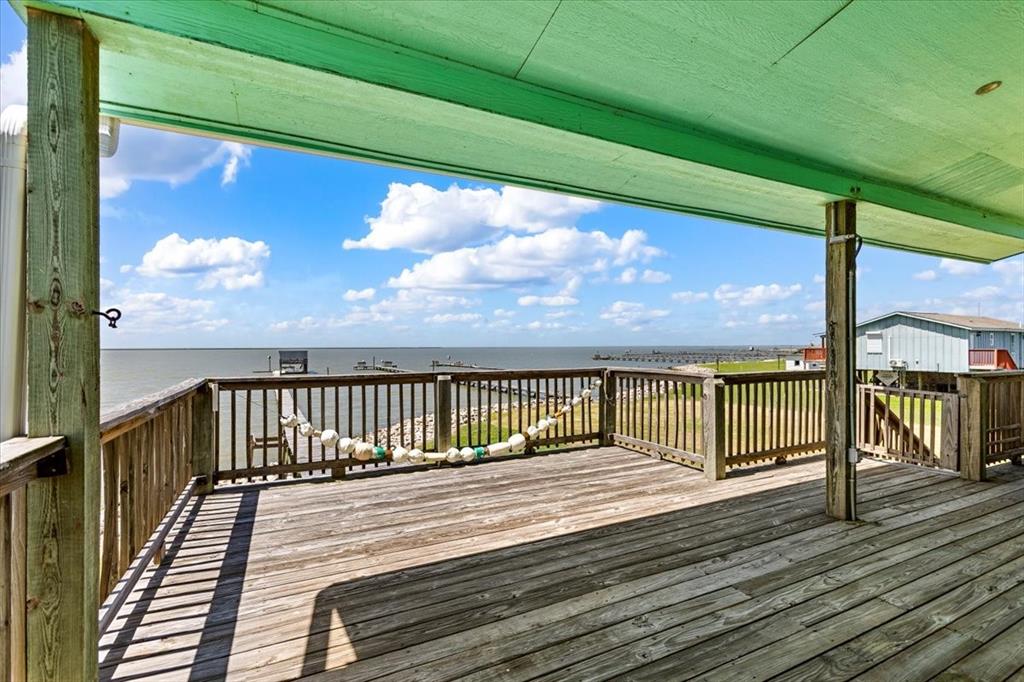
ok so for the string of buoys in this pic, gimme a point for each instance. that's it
(367, 452)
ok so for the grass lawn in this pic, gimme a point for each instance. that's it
(747, 366)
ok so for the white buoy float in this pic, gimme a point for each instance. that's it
(501, 448)
(363, 451)
(329, 438)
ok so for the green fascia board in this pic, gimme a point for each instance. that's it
(265, 32)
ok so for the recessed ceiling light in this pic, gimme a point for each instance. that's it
(988, 87)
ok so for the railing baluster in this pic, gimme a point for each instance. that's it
(401, 414)
(424, 412)
(234, 423)
(282, 456)
(323, 425)
(248, 432)
(337, 424)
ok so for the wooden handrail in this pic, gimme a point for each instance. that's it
(670, 374)
(350, 379)
(126, 417)
(777, 375)
(21, 459)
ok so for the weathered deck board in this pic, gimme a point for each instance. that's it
(585, 565)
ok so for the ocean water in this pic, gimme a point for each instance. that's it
(129, 374)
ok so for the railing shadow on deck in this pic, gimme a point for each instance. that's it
(227, 590)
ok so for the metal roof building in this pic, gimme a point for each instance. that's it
(936, 342)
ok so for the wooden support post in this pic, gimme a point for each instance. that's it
(973, 426)
(443, 413)
(949, 448)
(202, 438)
(62, 341)
(840, 380)
(606, 418)
(713, 417)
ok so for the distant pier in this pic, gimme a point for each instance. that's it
(688, 357)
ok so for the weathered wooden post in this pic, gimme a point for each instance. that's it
(840, 384)
(62, 342)
(713, 416)
(606, 418)
(443, 413)
(202, 437)
(974, 397)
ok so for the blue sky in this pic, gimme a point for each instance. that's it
(208, 243)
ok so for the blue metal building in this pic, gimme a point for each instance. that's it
(936, 342)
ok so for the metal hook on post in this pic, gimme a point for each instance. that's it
(112, 315)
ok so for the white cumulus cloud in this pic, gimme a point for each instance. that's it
(627, 276)
(1012, 272)
(422, 218)
(983, 293)
(690, 296)
(655, 277)
(539, 259)
(959, 267)
(631, 314)
(232, 262)
(353, 295)
(14, 78)
(926, 275)
(755, 295)
(450, 318)
(145, 154)
(781, 318)
(157, 311)
(553, 301)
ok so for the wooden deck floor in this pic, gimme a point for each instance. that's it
(587, 565)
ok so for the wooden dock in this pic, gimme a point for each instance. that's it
(586, 565)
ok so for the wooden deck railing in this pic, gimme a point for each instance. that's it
(659, 412)
(21, 460)
(773, 415)
(427, 410)
(919, 427)
(491, 405)
(251, 442)
(150, 448)
(991, 420)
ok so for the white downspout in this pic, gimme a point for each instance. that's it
(13, 145)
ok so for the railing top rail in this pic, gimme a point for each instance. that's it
(492, 374)
(758, 377)
(674, 375)
(894, 390)
(994, 375)
(323, 380)
(19, 456)
(124, 418)
(351, 379)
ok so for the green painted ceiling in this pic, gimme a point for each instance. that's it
(758, 112)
